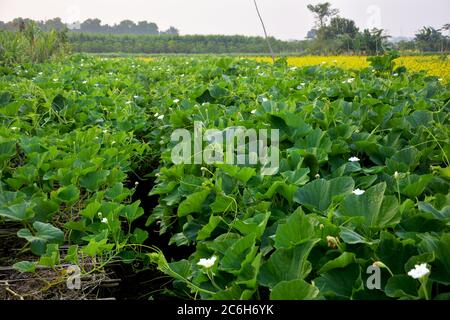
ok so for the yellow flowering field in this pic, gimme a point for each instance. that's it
(434, 65)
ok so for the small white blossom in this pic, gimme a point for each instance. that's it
(156, 115)
(40, 73)
(253, 111)
(354, 159)
(55, 80)
(207, 263)
(265, 99)
(100, 214)
(14, 128)
(396, 175)
(105, 220)
(112, 143)
(129, 102)
(419, 271)
(136, 183)
(395, 74)
(317, 176)
(136, 97)
(176, 100)
(85, 81)
(358, 192)
(161, 117)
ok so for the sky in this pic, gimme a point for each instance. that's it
(284, 19)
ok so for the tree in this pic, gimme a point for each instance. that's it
(373, 41)
(429, 39)
(171, 30)
(322, 12)
(91, 25)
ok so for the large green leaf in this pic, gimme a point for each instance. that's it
(318, 194)
(376, 210)
(298, 228)
(287, 264)
(294, 290)
(44, 233)
(193, 203)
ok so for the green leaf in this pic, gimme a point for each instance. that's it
(298, 228)
(207, 229)
(193, 203)
(132, 212)
(294, 290)
(68, 194)
(25, 266)
(402, 286)
(91, 210)
(17, 212)
(236, 255)
(93, 180)
(44, 233)
(351, 237)
(339, 283)
(223, 204)
(139, 236)
(287, 264)
(342, 261)
(319, 194)
(376, 210)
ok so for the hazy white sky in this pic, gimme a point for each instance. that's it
(285, 19)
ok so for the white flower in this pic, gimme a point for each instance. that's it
(136, 183)
(395, 74)
(419, 271)
(55, 80)
(253, 111)
(156, 115)
(358, 192)
(440, 79)
(161, 117)
(129, 102)
(105, 131)
(265, 99)
(104, 220)
(176, 100)
(396, 175)
(99, 214)
(110, 73)
(14, 128)
(317, 176)
(112, 143)
(40, 73)
(350, 80)
(85, 81)
(353, 159)
(207, 263)
(136, 97)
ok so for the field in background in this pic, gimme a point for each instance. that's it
(434, 65)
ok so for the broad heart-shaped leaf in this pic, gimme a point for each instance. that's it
(402, 286)
(93, 180)
(25, 266)
(237, 254)
(440, 247)
(132, 212)
(208, 228)
(193, 203)
(294, 290)
(91, 210)
(376, 210)
(394, 252)
(351, 237)
(223, 204)
(342, 261)
(339, 283)
(68, 194)
(44, 233)
(318, 194)
(414, 185)
(17, 212)
(256, 224)
(287, 264)
(297, 228)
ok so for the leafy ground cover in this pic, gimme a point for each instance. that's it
(86, 174)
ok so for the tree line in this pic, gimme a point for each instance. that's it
(335, 34)
(331, 34)
(90, 26)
